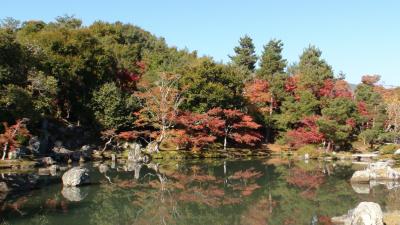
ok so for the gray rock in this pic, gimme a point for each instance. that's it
(397, 152)
(73, 194)
(376, 171)
(44, 171)
(366, 213)
(361, 176)
(103, 168)
(85, 148)
(3, 190)
(361, 188)
(34, 144)
(76, 176)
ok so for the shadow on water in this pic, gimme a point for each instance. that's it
(264, 191)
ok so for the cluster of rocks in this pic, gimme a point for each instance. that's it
(376, 171)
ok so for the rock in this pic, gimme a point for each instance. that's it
(376, 171)
(361, 176)
(3, 190)
(397, 152)
(103, 168)
(53, 169)
(48, 161)
(76, 176)
(44, 171)
(73, 194)
(366, 213)
(34, 144)
(361, 188)
(85, 148)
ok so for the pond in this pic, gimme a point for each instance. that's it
(257, 191)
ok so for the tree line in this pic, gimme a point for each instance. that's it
(122, 83)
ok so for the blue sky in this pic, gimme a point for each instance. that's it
(356, 36)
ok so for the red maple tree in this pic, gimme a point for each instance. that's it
(8, 139)
(306, 133)
(235, 125)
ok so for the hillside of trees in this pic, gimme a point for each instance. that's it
(119, 82)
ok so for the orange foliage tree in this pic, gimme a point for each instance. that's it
(160, 101)
(8, 139)
(236, 126)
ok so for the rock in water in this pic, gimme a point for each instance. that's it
(376, 171)
(361, 176)
(76, 176)
(73, 194)
(367, 213)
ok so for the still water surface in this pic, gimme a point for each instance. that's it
(263, 191)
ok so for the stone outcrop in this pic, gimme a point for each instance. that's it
(76, 176)
(366, 213)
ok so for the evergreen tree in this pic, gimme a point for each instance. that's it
(313, 70)
(245, 54)
(272, 62)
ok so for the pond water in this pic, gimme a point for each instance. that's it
(262, 191)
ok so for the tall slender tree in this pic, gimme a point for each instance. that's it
(245, 55)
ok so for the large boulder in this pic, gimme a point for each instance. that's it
(361, 176)
(366, 213)
(376, 171)
(76, 176)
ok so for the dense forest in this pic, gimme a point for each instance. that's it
(118, 82)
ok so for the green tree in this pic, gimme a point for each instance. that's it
(313, 70)
(113, 107)
(245, 54)
(209, 85)
(272, 62)
(338, 122)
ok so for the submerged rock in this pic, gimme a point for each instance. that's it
(366, 213)
(76, 176)
(73, 194)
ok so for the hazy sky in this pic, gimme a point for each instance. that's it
(356, 36)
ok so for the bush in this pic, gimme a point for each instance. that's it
(311, 150)
(388, 149)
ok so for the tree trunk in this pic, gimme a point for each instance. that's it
(225, 142)
(4, 151)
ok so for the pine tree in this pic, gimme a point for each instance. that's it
(272, 62)
(245, 54)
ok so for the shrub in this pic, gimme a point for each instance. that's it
(311, 150)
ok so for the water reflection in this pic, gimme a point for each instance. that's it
(271, 191)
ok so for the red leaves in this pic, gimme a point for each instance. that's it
(362, 108)
(194, 130)
(307, 133)
(8, 139)
(291, 84)
(335, 89)
(257, 92)
(305, 179)
(128, 135)
(235, 125)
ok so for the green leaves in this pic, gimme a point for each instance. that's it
(245, 54)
